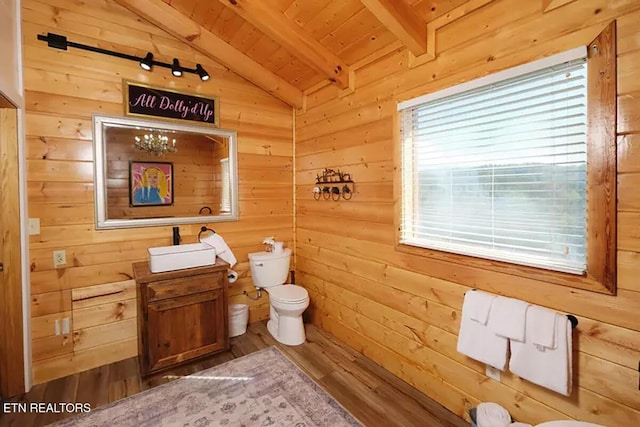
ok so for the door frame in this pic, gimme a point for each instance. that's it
(16, 345)
(12, 92)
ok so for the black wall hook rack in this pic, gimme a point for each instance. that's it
(334, 185)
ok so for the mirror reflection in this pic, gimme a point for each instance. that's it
(156, 173)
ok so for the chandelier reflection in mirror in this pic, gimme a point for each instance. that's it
(155, 143)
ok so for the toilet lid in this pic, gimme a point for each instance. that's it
(288, 293)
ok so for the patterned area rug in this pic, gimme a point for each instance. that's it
(264, 388)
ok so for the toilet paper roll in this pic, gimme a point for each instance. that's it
(232, 276)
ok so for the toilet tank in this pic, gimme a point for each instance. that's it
(269, 268)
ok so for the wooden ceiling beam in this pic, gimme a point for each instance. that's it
(548, 5)
(184, 29)
(293, 38)
(402, 21)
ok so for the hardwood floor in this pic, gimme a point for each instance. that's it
(370, 393)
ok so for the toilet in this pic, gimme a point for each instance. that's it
(269, 271)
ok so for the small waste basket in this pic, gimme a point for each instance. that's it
(238, 319)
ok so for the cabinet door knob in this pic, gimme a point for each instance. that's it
(1, 267)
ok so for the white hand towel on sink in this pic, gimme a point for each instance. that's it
(476, 340)
(507, 318)
(222, 249)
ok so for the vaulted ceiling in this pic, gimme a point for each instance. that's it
(281, 34)
(289, 46)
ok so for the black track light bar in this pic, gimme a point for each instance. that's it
(60, 42)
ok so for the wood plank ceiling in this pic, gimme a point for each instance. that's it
(304, 43)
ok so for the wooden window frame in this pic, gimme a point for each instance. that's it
(600, 275)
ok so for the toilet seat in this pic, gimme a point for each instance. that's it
(288, 294)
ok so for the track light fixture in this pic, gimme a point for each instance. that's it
(146, 63)
(60, 42)
(204, 76)
(176, 69)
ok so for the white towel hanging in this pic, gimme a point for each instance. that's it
(222, 249)
(479, 310)
(507, 317)
(543, 327)
(550, 368)
(476, 340)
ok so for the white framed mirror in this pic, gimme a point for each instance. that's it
(157, 173)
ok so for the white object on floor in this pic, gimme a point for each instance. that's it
(479, 310)
(507, 317)
(178, 257)
(238, 319)
(543, 328)
(550, 368)
(568, 424)
(489, 414)
(222, 249)
(476, 340)
(269, 271)
(516, 424)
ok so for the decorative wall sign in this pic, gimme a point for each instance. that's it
(150, 183)
(147, 101)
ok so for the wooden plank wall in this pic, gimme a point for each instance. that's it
(63, 89)
(403, 311)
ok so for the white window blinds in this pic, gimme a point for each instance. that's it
(499, 171)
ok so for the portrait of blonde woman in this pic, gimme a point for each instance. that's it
(151, 183)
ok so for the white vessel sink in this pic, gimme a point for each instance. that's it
(169, 258)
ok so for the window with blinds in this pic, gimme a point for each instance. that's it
(499, 171)
(225, 198)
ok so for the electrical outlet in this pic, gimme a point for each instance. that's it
(493, 373)
(59, 258)
(65, 325)
(57, 327)
(34, 226)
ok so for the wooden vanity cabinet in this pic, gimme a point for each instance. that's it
(182, 315)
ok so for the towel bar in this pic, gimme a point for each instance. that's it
(573, 319)
(203, 230)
